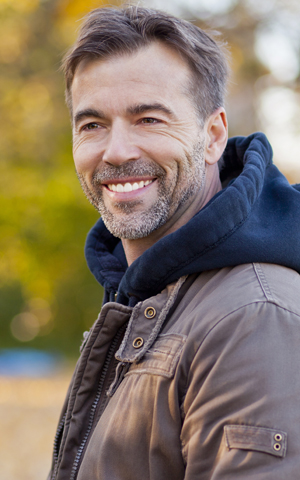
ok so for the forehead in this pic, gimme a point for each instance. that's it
(152, 71)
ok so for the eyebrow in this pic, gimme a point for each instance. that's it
(147, 107)
(86, 113)
(133, 110)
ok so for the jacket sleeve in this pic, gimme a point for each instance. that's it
(241, 409)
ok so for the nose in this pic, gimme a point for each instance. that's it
(120, 147)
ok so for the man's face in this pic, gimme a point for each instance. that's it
(137, 142)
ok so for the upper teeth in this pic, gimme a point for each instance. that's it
(128, 187)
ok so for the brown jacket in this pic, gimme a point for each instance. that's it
(207, 384)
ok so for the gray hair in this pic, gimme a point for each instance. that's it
(108, 31)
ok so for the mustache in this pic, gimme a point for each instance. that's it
(136, 168)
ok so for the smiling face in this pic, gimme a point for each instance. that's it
(138, 146)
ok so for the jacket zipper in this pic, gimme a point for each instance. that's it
(108, 359)
(121, 370)
(56, 442)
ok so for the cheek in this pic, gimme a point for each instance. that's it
(178, 164)
(184, 173)
(86, 158)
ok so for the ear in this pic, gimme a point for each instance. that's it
(216, 136)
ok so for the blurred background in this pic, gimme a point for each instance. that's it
(47, 295)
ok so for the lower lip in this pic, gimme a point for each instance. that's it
(128, 195)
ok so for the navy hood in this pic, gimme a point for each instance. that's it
(255, 218)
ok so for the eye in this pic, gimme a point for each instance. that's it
(149, 120)
(90, 126)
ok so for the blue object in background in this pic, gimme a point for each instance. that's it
(28, 363)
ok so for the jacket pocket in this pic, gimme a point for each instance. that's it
(260, 439)
(162, 358)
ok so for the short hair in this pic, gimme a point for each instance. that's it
(109, 31)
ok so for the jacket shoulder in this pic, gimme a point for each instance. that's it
(280, 285)
(232, 288)
(217, 294)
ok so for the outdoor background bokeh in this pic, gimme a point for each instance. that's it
(47, 295)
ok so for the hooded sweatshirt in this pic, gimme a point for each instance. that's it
(254, 218)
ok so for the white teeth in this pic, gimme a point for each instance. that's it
(128, 187)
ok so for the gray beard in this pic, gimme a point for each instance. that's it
(132, 224)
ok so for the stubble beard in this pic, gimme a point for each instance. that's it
(129, 222)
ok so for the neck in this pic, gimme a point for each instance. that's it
(135, 248)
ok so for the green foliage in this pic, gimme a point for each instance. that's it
(47, 295)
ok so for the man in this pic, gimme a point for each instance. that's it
(192, 369)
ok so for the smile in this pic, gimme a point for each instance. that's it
(128, 187)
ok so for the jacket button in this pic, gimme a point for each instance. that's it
(150, 312)
(138, 342)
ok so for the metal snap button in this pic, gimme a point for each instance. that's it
(277, 447)
(278, 437)
(138, 342)
(150, 312)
